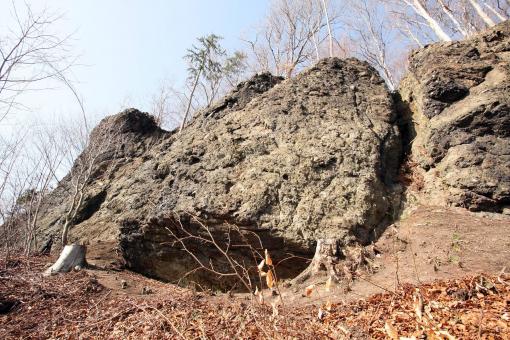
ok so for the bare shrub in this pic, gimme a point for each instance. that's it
(240, 260)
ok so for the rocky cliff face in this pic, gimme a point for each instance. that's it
(458, 95)
(279, 164)
(119, 142)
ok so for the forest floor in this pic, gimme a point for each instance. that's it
(438, 274)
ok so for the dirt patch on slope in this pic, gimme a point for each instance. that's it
(438, 243)
(430, 243)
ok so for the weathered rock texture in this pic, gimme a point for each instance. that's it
(459, 98)
(129, 136)
(289, 161)
(307, 159)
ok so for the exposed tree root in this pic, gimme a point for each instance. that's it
(327, 254)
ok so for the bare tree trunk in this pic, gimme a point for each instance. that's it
(65, 232)
(195, 84)
(495, 12)
(72, 256)
(418, 7)
(327, 254)
(316, 46)
(450, 15)
(411, 35)
(71, 214)
(479, 10)
(29, 54)
(330, 35)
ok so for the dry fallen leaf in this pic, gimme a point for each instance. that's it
(431, 335)
(343, 329)
(446, 334)
(391, 331)
(270, 279)
(328, 284)
(309, 289)
(449, 310)
(269, 262)
(328, 305)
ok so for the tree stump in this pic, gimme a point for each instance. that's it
(73, 255)
(327, 254)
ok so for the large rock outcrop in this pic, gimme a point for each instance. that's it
(288, 161)
(458, 97)
(279, 164)
(310, 158)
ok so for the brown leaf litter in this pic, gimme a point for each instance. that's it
(77, 305)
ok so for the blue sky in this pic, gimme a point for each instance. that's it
(127, 47)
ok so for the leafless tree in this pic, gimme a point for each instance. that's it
(30, 53)
(40, 174)
(419, 17)
(292, 35)
(10, 153)
(446, 20)
(481, 12)
(328, 24)
(27, 177)
(373, 37)
(168, 105)
(229, 242)
(499, 10)
(187, 237)
(383, 31)
(447, 10)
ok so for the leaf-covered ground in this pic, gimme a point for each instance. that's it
(76, 305)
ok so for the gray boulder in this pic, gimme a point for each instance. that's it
(284, 163)
(313, 157)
